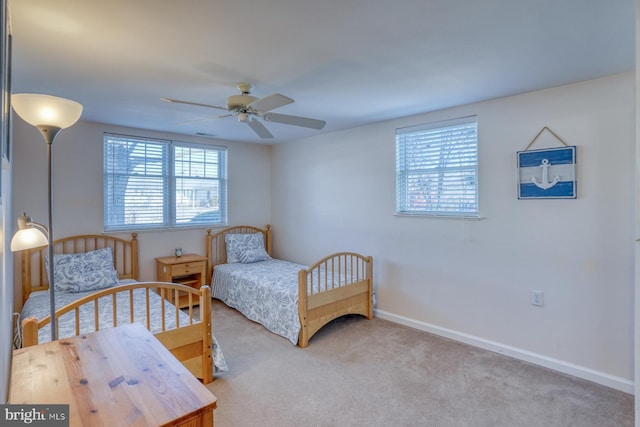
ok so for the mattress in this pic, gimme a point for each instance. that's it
(265, 292)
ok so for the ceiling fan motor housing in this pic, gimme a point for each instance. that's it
(239, 101)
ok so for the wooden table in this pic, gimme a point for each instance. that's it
(119, 376)
(188, 269)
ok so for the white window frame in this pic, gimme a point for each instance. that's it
(160, 178)
(437, 169)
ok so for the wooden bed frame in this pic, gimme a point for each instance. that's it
(190, 343)
(319, 308)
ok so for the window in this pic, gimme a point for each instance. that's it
(437, 169)
(152, 183)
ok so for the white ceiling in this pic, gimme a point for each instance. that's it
(349, 62)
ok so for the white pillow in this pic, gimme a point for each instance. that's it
(88, 271)
(238, 243)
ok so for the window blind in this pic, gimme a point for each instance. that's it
(157, 184)
(200, 185)
(135, 182)
(437, 169)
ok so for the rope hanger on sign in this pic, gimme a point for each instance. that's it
(540, 133)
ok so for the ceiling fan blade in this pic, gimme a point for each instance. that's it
(177, 101)
(259, 129)
(286, 119)
(270, 102)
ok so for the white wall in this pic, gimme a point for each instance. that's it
(77, 187)
(6, 259)
(6, 278)
(471, 280)
(637, 220)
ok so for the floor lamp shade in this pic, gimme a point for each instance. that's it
(46, 110)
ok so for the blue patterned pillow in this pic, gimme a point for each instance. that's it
(238, 243)
(83, 272)
(254, 255)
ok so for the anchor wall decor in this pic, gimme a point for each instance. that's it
(545, 184)
(547, 173)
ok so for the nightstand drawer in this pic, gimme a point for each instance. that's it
(187, 268)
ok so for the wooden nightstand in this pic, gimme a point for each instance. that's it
(189, 269)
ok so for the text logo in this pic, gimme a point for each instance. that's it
(34, 415)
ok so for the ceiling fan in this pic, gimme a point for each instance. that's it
(249, 109)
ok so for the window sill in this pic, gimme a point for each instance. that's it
(431, 216)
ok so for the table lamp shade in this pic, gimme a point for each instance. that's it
(28, 238)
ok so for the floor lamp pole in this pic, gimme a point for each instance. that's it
(49, 133)
(49, 114)
(52, 295)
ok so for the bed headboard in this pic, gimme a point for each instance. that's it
(34, 273)
(215, 248)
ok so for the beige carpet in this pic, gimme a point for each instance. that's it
(377, 373)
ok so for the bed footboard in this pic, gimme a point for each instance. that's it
(335, 286)
(187, 337)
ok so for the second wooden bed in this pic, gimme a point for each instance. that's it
(335, 286)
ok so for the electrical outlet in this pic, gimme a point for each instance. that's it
(537, 298)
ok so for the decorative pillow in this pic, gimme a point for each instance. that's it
(254, 255)
(238, 243)
(83, 272)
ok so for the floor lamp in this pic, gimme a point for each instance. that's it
(49, 114)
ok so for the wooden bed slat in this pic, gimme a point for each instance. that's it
(96, 317)
(77, 319)
(146, 302)
(131, 315)
(114, 304)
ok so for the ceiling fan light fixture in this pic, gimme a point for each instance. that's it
(243, 117)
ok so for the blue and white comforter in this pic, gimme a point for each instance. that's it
(37, 306)
(265, 292)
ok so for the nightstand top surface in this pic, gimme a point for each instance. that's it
(172, 259)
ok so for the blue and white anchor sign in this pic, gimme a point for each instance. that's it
(547, 174)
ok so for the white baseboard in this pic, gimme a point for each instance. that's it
(612, 381)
